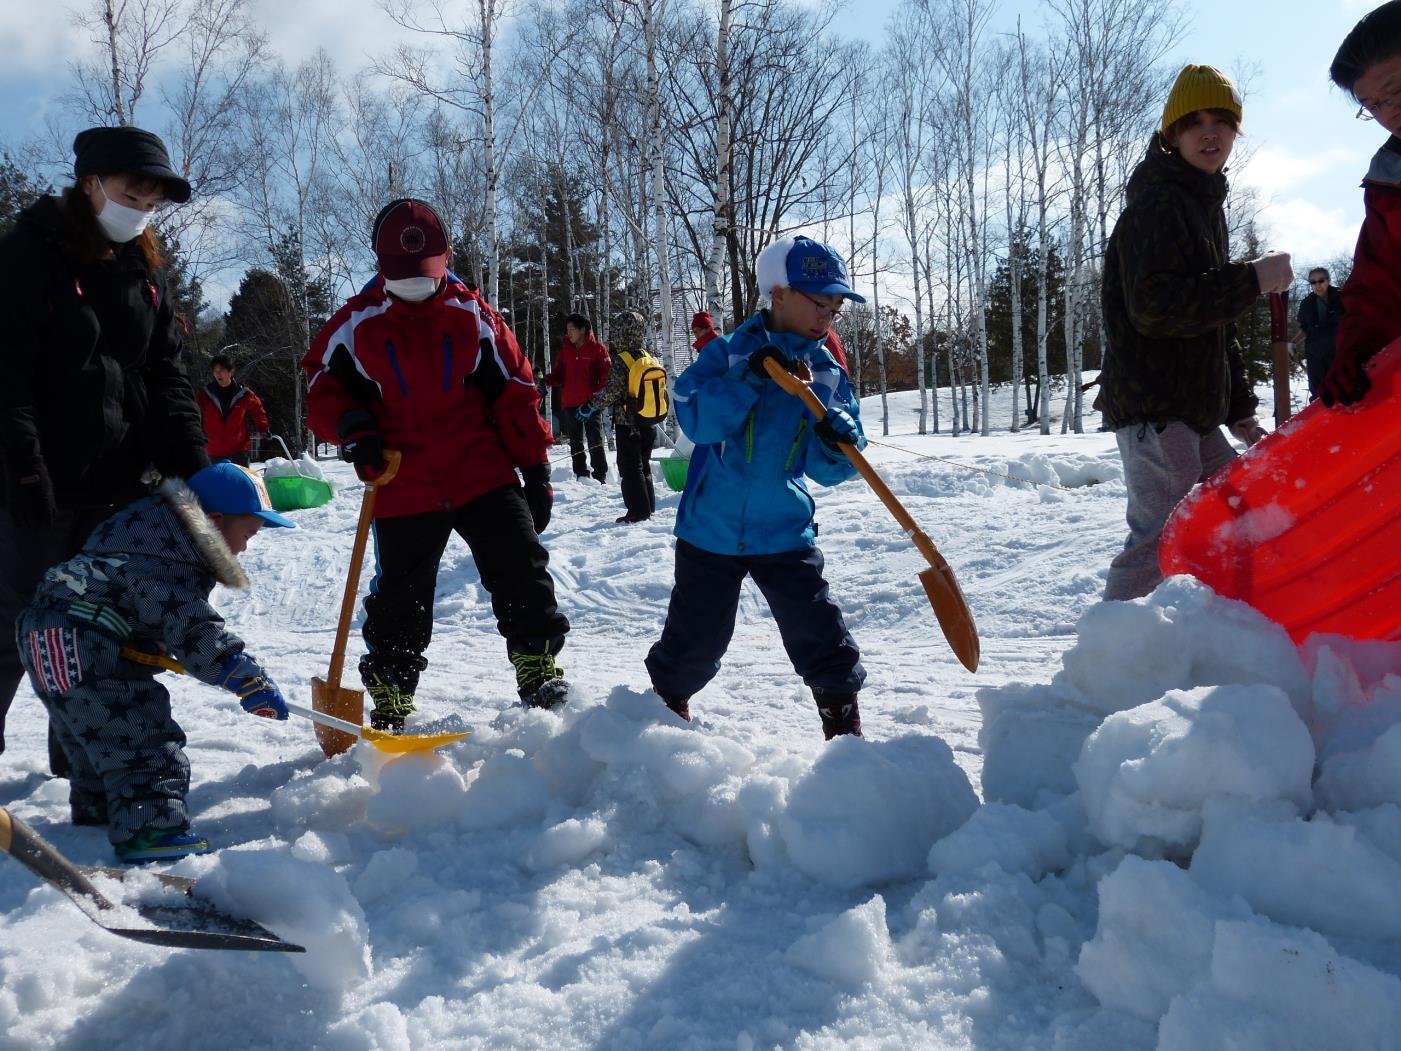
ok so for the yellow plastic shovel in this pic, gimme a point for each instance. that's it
(395, 744)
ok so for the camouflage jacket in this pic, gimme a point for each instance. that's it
(1171, 296)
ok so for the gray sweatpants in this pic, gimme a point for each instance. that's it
(1159, 470)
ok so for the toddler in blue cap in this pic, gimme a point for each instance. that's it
(103, 624)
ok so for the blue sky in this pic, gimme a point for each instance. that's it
(1309, 152)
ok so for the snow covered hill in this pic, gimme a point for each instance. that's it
(1139, 825)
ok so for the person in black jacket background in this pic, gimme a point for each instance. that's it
(1319, 315)
(95, 391)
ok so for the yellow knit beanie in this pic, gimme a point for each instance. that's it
(1200, 87)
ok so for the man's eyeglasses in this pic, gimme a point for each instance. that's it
(1367, 110)
(835, 313)
(1318, 281)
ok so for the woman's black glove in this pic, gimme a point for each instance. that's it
(360, 440)
(30, 499)
(538, 494)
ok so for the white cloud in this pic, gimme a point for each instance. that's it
(1309, 233)
(37, 39)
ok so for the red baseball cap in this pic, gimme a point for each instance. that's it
(703, 319)
(410, 240)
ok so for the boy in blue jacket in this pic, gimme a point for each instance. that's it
(746, 510)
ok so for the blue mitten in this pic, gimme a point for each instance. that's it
(257, 693)
(838, 426)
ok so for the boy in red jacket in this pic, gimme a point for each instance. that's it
(581, 371)
(1368, 67)
(226, 405)
(422, 364)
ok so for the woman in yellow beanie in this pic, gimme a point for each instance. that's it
(1173, 373)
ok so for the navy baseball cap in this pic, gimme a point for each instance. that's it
(228, 489)
(807, 265)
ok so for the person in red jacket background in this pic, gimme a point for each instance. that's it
(702, 330)
(422, 364)
(581, 371)
(1368, 67)
(226, 406)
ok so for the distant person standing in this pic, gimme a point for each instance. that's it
(95, 390)
(226, 405)
(1319, 315)
(702, 330)
(634, 435)
(581, 371)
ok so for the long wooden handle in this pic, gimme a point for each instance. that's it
(36, 854)
(357, 556)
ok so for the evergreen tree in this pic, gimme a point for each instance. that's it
(999, 314)
(18, 190)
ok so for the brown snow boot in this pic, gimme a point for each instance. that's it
(839, 711)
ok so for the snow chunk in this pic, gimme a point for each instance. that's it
(379, 1027)
(507, 790)
(849, 951)
(302, 902)
(416, 791)
(868, 811)
(1154, 938)
(567, 843)
(1319, 873)
(1285, 989)
(1005, 837)
(1145, 774)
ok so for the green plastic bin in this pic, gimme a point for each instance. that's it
(293, 492)
(674, 470)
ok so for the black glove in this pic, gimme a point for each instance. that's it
(757, 359)
(838, 426)
(360, 440)
(538, 494)
(1345, 383)
(30, 499)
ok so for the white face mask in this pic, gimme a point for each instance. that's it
(412, 289)
(120, 223)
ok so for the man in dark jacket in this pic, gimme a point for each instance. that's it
(1319, 315)
(1368, 67)
(227, 407)
(1172, 371)
(95, 391)
(581, 371)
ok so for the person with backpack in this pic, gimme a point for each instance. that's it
(95, 393)
(228, 407)
(636, 393)
(746, 511)
(423, 365)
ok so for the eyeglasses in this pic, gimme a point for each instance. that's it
(835, 313)
(1318, 280)
(1368, 110)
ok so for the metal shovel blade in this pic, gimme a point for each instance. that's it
(953, 614)
(342, 703)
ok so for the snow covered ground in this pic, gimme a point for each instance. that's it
(1139, 825)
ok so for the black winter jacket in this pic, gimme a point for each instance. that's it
(1171, 295)
(92, 385)
(1320, 321)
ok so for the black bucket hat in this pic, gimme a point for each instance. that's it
(102, 151)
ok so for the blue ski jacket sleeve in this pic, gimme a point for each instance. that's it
(745, 490)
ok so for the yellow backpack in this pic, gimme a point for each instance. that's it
(646, 399)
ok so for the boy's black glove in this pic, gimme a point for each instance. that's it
(838, 426)
(1345, 383)
(538, 494)
(30, 499)
(360, 440)
(757, 359)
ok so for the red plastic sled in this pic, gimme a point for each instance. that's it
(1305, 526)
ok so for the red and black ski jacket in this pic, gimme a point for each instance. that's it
(1372, 292)
(580, 372)
(227, 429)
(447, 386)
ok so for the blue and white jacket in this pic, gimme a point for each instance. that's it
(745, 493)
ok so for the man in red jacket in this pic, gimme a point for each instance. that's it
(422, 364)
(581, 371)
(1368, 67)
(702, 330)
(226, 406)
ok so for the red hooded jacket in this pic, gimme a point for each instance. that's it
(582, 371)
(227, 434)
(1372, 293)
(447, 386)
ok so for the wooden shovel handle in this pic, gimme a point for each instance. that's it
(392, 457)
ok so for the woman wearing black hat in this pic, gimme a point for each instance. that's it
(94, 391)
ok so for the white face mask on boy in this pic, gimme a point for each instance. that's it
(411, 289)
(120, 223)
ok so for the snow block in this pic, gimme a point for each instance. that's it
(1006, 838)
(1145, 774)
(868, 811)
(849, 951)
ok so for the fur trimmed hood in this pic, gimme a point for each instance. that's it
(203, 534)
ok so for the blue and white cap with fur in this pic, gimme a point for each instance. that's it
(807, 265)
